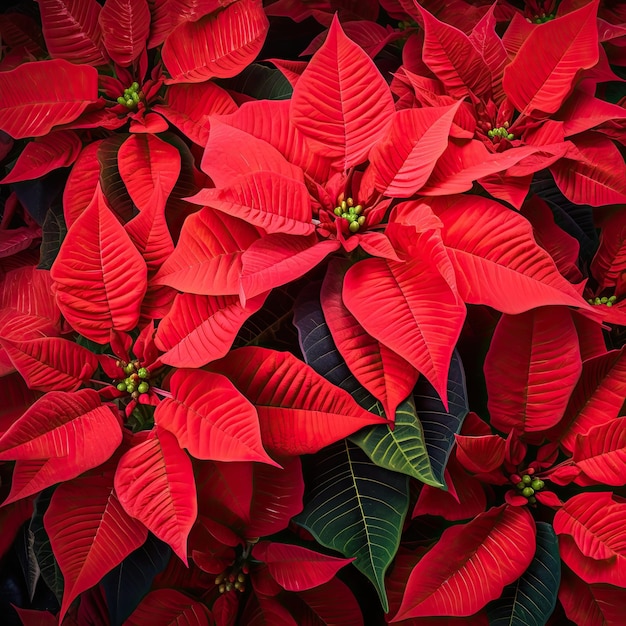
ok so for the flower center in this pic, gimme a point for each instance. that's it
(501, 133)
(602, 301)
(136, 381)
(351, 212)
(527, 486)
(131, 96)
(232, 578)
(542, 18)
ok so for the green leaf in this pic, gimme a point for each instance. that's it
(358, 509)
(53, 230)
(531, 600)
(259, 82)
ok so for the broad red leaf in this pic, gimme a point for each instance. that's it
(531, 369)
(210, 418)
(480, 454)
(207, 258)
(28, 112)
(601, 453)
(583, 111)
(58, 149)
(263, 610)
(125, 27)
(201, 329)
(470, 564)
(341, 103)
(295, 568)
(147, 163)
(592, 605)
(72, 31)
(386, 375)
(497, 260)
(90, 533)
(17, 239)
(409, 307)
(591, 533)
(12, 517)
(452, 58)
(73, 427)
(155, 484)
(609, 262)
(51, 363)
(31, 617)
(82, 183)
(568, 44)
(96, 293)
(405, 157)
(19, 30)
(168, 607)
(300, 412)
(220, 44)
(597, 398)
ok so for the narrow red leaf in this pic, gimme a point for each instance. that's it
(12, 517)
(18, 239)
(480, 454)
(125, 28)
(28, 112)
(601, 453)
(300, 412)
(168, 607)
(58, 149)
(90, 533)
(72, 31)
(341, 103)
(96, 293)
(220, 44)
(81, 183)
(154, 482)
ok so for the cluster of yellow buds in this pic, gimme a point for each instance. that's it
(350, 212)
(501, 133)
(604, 300)
(232, 579)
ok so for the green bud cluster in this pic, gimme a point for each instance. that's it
(501, 133)
(407, 24)
(528, 486)
(351, 213)
(131, 96)
(604, 300)
(136, 381)
(232, 579)
(543, 18)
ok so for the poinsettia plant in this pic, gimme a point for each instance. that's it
(334, 340)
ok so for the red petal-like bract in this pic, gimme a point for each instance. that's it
(295, 568)
(82, 183)
(95, 291)
(482, 453)
(72, 31)
(146, 163)
(341, 103)
(592, 537)
(70, 426)
(90, 533)
(217, 45)
(531, 369)
(384, 373)
(601, 453)
(201, 329)
(497, 261)
(154, 482)
(210, 418)
(125, 28)
(58, 149)
(51, 363)
(568, 44)
(170, 607)
(26, 111)
(470, 564)
(300, 412)
(609, 262)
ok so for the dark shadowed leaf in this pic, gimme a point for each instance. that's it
(259, 82)
(54, 230)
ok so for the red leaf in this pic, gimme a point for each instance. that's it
(51, 363)
(404, 158)
(609, 262)
(295, 568)
(591, 533)
(497, 260)
(201, 329)
(30, 617)
(82, 183)
(90, 533)
(12, 517)
(207, 258)
(341, 102)
(155, 484)
(28, 112)
(568, 44)
(450, 55)
(96, 293)
(72, 31)
(168, 607)
(211, 419)
(22, 31)
(58, 149)
(262, 610)
(480, 454)
(125, 28)
(218, 45)
(147, 164)
(300, 412)
(531, 369)
(447, 581)
(18, 239)
(601, 453)
(334, 604)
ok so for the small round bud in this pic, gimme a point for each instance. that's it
(350, 202)
(526, 479)
(135, 395)
(528, 491)
(354, 226)
(520, 485)
(344, 205)
(609, 303)
(143, 387)
(241, 577)
(121, 386)
(532, 500)
(338, 211)
(361, 220)
(510, 136)
(142, 372)
(129, 368)
(604, 300)
(135, 86)
(537, 484)
(530, 471)
(121, 100)
(219, 579)
(612, 298)
(222, 588)
(229, 586)
(130, 388)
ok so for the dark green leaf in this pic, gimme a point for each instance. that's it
(53, 230)
(531, 600)
(358, 509)
(110, 180)
(259, 82)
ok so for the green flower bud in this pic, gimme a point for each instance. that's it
(142, 372)
(604, 300)
(135, 86)
(520, 485)
(510, 136)
(129, 368)
(612, 298)
(609, 303)
(121, 100)
(361, 220)
(528, 491)
(532, 500)
(121, 386)
(130, 388)
(526, 479)
(358, 209)
(537, 484)
(338, 211)
(354, 226)
(143, 387)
